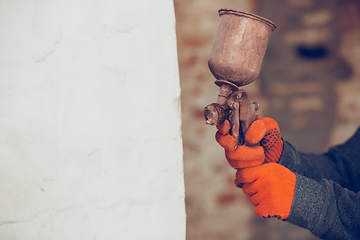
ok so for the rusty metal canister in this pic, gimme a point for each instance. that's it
(239, 47)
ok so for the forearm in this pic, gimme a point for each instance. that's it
(309, 165)
(326, 209)
(340, 164)
(329, 166)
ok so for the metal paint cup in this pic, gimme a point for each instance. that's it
(239, 47)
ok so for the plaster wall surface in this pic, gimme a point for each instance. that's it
(90, 122)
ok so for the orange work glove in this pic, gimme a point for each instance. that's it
(267, 132)
(263, 130)
(242, 156)
(271, 188)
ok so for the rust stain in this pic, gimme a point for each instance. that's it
(221, 167)
(196, 93)
(198, 114)
(193, 41)
(188, 62)
(226, 199)
(190, 146)
(193, 172)
(200, 131)
(230, 180)
(255, 5)
(201, 77)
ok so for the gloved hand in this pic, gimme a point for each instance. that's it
(263, 130)
(267, 132)
(271, 188)
(242, 156)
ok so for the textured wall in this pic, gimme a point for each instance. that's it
(90, 124)
(315, 99)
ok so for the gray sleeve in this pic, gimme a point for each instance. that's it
(341, 164)
(326, 209)
(326, 199)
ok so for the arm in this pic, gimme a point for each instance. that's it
(310, 197)
(325, 208)
(340, 164)
(322, 200)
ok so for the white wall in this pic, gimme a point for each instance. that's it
(90, 137)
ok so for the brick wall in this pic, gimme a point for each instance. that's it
(309, 84)
(303, 68)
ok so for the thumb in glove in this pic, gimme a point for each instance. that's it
(264, 131)
(238, 156)
(267, 132)
(271, 188)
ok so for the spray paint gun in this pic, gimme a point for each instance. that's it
(235, 60)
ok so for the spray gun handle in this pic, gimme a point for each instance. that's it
(242, 114)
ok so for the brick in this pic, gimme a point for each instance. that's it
(318, 18)
(279, 104)
(299, 123)
(306, 104)
(290, 89)
(308, 36)
(300, 3)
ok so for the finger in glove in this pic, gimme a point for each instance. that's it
(255, 132)
(245, 156)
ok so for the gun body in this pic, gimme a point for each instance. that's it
(235, 106)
